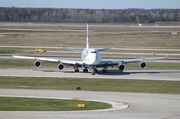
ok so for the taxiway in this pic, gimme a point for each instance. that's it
(140, 105)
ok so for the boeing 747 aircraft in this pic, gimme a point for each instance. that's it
(91, 59)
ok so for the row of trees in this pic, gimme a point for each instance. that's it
(89, 15)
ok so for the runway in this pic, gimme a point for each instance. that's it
(171, 75)
(141, 105)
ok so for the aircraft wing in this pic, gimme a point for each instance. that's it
(67, 62)
(143, 59)
(35, 58)
(117, 62)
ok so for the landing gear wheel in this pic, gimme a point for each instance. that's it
(76, 70)
(104, 71)
(96, 71)
(93, 72)
(85, 70)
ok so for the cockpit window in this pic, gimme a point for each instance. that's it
(93, 51)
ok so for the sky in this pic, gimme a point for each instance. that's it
(93, 4)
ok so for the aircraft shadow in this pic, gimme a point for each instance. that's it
(117, 72)
(64, 71)
(114, 72)
(45, 70)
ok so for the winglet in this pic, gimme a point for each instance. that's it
(87, 39)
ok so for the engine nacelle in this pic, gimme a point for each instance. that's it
(61, 66)
(37, 63)
(121, 67)
(143, 65)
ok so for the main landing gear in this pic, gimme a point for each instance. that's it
(76, 70)
(94, 71)
(85, 70)
(104, 70)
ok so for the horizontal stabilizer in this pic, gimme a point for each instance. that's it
(73, 49)
(103, 49)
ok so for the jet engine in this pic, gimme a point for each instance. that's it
(61, 66)
(143, 65)
(37, 63)
(121, 67)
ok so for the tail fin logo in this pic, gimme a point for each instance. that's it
(87, 42)
(87, 38)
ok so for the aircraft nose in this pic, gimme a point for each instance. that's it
(96, 59)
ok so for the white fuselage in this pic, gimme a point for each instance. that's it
(90, 57)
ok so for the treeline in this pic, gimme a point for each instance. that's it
(88, 15)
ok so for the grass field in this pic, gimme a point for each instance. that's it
(146, 86)
(38, 104)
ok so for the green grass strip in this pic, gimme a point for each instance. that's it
(36, 104)
(117, 85)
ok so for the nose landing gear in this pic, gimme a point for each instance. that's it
(94, 71)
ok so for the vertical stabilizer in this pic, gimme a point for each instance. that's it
(87, 39)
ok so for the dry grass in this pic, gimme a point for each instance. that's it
(115, 85)
(101, 35)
